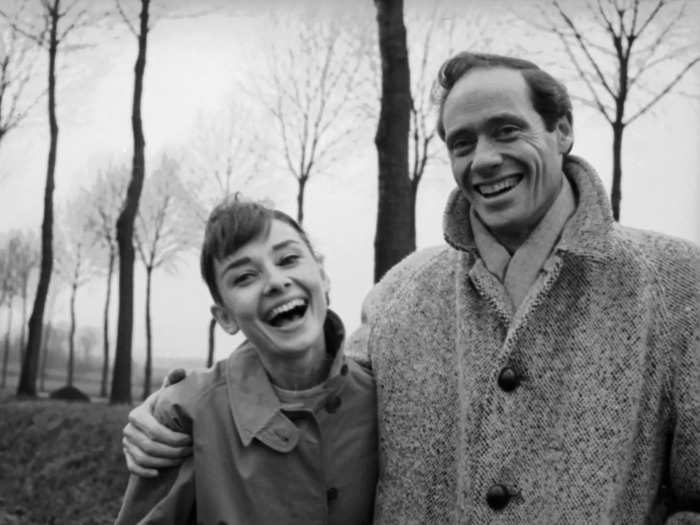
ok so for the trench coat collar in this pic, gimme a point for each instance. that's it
(586, 233)
(256, 409)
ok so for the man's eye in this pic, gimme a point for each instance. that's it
(460, 146)
(507, 132)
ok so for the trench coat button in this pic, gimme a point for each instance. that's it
(497, 497)
(331, 494)
(343, 370)
(332, 404)
(508, 380)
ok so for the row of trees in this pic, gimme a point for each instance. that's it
(315, 97)
(85, 249)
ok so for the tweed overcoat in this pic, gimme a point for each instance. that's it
(598, 418)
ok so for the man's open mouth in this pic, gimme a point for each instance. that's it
(494, 189)
(287, 313)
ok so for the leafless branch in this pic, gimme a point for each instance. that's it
(125, 17)
(583, 46)
(664, 91)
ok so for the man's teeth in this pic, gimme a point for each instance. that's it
(498, 187)
(286, 307)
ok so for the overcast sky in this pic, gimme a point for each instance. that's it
(197, 66)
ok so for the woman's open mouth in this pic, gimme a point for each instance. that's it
(287, 313)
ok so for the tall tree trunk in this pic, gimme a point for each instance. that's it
(44, 356)
(71, 336)
(212, 342)
(105, 325)
(6, 353)
(394, 238)
(30, 360)
(23, 333)
(300, 198)
(147, 372)
(616, 190)
(121, 376)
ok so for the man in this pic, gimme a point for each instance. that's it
(544, 367)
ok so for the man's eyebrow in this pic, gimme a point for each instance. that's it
(506, 118)
(494, 120)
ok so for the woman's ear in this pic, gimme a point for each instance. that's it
(565, 135)
(326, 286)
(224, 318)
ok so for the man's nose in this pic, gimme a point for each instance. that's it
(486, 157)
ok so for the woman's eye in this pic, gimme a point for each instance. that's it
(289, 259)
(243, 279)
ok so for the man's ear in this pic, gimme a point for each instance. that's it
(565, 135)
(225, 320)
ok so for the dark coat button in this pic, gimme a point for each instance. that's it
(497, 497)
(331, 494)
(332, 404)
(508, 380)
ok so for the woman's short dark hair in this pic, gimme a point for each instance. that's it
(549, 96)
(233, 223)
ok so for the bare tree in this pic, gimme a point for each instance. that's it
(621, 51)
(8, 291)
(107, 196)
(223, 158)
(314, 100)
(47, 333)
(393, 239)
(121, 377)
(16, 68)
(165, 227)
(26, 257)
(56, 24)
(74, 262)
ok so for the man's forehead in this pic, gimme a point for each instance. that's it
(485, 93)
(496, 81)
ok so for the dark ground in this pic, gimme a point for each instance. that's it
(60, 462)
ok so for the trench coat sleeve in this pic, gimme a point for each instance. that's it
(685, 448)
(167, 499)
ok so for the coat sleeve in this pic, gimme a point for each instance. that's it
(169, 498)
(684, 471)
(384, 293)
(165, 500)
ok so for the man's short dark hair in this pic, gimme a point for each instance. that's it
(233, 223)
(549, 96)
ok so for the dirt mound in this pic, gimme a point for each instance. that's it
(69, 393)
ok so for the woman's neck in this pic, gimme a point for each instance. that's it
(299, 373)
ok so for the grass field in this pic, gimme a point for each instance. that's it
(60, 463)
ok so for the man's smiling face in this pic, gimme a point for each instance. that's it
(503, 158)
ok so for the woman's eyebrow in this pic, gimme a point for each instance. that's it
(236, 263)
(285, 244)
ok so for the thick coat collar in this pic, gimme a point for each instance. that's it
(586, 233)
(256, 409)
